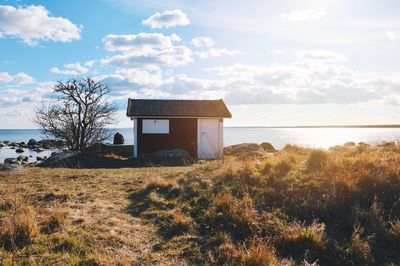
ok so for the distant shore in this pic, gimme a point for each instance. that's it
(308, 126)
(326, 126)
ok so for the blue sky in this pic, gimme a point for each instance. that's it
(274, 62)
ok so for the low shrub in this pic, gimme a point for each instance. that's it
(232, 215)
(282, 168)
(359, 250)
(18, 225)
(52, 222)
(317, 160)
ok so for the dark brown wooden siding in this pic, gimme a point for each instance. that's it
(182, 134)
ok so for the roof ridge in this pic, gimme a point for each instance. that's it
(177, 108)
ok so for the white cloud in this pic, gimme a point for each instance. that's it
(90, 63)
(303, 15)
(217, 53)
(146, 50)
(299, 83)
(23, 78)
(5, 77)
(203, 41)
(141, 43)
(33, 23)
(19, 78)
(170, 57)
(279, 52)
(391, 35)
(70, 69)
(167, 19)
(321, 55)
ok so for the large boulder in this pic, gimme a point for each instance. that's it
(246, 150)
(22, 158)
(10, 161)
(68, 159)
(12, 144)
(22, 145)
(387, 144)
(32, 142)
(118, 138)
(349, 144)
(268, 147)
(19, 150)
(72, 159)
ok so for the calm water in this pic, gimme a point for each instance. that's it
(279, 137)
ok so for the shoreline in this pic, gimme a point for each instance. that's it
(293, 126)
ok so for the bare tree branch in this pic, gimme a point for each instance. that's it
(80, 115)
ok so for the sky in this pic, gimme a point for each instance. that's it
(275, 63)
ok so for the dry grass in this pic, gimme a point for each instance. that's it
(72, 216)
(296, 207)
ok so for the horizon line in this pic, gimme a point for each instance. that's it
(298, 126)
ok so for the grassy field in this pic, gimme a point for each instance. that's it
(295, 207)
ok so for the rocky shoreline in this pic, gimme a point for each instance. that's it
(61, 157)
(33, 147)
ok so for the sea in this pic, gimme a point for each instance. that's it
(317, 137)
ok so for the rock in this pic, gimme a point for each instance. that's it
(54, 153)
(32, 142)
(10, 161)
(22, 145)
(245, 150)
(363, 144)
(6, 142)
(349, 144)
(387, 144)
(118, 138)
(13, 144)
(45, 146)
(71, 159)
(38, 158)
(19, 150)
(2, 145)
(38, 150)
(22, 158)
(268, 147)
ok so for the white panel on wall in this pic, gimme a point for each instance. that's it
(155, 126)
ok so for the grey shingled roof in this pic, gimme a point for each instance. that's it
(177, 108)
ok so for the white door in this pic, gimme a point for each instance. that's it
(209, 138)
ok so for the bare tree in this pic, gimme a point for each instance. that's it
(80, 114)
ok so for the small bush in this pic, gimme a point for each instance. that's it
(266, 169)
(394, 231)
(233, 215)
(17, 231)
(360, 249)
(67, 244)
(173, 223)
(282, 168)
(316, 161)
(256, 254)
(259, 254)
(296, 239)
(53, 222)
(18, 225)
